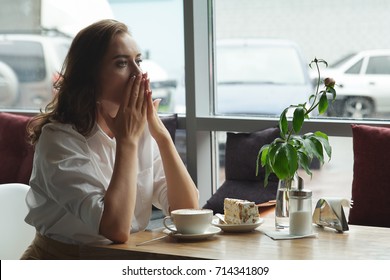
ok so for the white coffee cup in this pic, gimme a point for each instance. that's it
(189, 221)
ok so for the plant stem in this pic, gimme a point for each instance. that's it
(317, 88)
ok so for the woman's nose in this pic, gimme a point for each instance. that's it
(136, 71)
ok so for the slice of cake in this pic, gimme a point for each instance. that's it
(239, 211)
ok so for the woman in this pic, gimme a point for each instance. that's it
(102, 155)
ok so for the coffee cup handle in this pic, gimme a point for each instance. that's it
(166, 226)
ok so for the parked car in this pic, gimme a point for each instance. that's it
(9, 86)
(363, 84)
(256, 77)
(35, 60)
(260, 76)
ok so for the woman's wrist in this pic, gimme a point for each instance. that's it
(163, 139)
(126, 145)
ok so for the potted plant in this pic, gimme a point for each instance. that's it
(291, 151)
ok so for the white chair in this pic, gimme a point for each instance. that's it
(15, 234)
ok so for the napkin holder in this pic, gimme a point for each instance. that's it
(329, 212)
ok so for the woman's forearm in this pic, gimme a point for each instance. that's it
(119, 200)
(182, 192)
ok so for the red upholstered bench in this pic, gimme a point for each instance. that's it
(16, 154)
(371, 169)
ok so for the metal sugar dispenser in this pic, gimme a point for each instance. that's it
(300, 210)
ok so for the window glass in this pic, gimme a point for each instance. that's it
(263, 65)
(157, 25)
(25, 58)
(379, 65)
(322, 31)
(62, 50)
(35, 41)
(355, 69)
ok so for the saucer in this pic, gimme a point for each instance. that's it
(199, 236)
(237, 227)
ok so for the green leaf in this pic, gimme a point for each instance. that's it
(323, 103)
(283, 124)
(296, 141)
(318, 150)
(320, 134)
(304, 162)
(333, 92)
(262, 158)
(307, 147)
(285, 162)
(323, 138)
(298, 118)
(267, 173)
(273, 148)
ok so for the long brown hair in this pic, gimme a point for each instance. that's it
(77, 87)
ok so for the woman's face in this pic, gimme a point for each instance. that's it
(121, 61)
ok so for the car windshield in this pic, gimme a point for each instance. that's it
(25, 58)
(259, 65)
(341, 60)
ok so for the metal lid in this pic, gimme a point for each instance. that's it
(300, 193)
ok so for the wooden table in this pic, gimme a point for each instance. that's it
(359, 242)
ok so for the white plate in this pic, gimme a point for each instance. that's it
(237, 227)
(209, 232)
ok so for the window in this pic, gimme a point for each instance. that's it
(379, 65)
(356, 68)
(34, 43)
(331, 39)
(25, 58)
(232, 80)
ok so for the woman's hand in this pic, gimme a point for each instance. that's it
(129, 121)
(156, 126)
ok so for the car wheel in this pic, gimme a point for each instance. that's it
(335, 108)
(358, 107)
(9, 92)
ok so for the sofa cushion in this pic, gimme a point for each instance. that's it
(240, 170)
(241, 154)
(16, 153)
(370, 186)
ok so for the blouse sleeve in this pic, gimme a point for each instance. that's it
(66, 173)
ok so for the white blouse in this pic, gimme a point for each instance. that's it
(69, 179)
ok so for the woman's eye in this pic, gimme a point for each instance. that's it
(139, 61)
(122, 63)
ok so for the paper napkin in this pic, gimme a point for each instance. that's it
(283, 235)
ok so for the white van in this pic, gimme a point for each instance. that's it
(35, 60)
